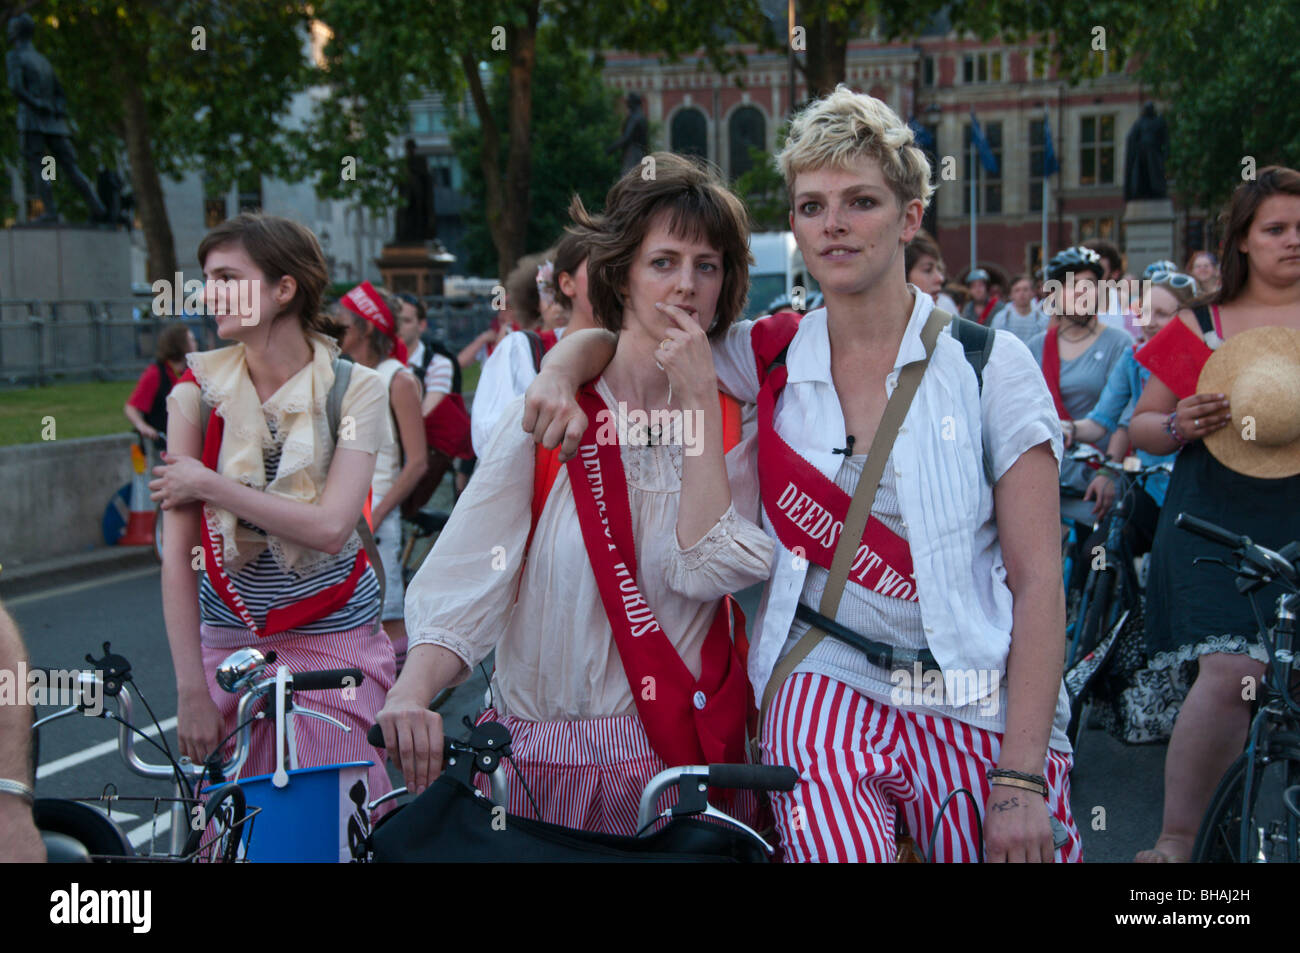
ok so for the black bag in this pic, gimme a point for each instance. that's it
(452, 823)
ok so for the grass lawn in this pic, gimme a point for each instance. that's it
(90, 409)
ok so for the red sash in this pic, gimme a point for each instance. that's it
(549, 340)
(688, 720)
(1052, 371)
(807, 510)
(447, 427)
(282, 618)
(988, 307)
(1176, 355)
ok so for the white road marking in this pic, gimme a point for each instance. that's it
(80, 586)
(95, 751)
(146, 831)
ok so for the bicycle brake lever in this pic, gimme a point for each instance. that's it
(1216, 561)
(299, 710)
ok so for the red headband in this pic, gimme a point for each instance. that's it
(364, 300)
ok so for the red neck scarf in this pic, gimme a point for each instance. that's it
(988, 307)
(688, 720)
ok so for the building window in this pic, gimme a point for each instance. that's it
(1097, 150)
(1097, 228)
(1037, 154)
(746, 129)
(929, 71)
(1033, 259)
(690, 133)
(991, 200)
(981, 68)
(1040, 64)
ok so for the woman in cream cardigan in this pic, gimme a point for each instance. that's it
(270, 500)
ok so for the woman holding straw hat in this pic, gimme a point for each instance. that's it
(1225, 395)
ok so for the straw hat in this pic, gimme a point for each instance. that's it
(1259, 371)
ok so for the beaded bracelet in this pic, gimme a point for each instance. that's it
(1171, 428)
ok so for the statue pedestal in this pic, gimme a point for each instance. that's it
(50, 262)
(1149, 232)
(416, 269)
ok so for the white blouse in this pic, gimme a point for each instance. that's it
(556, 658)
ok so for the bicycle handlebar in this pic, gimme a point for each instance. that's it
(753, 777)
(326, 679)
(1260, 557)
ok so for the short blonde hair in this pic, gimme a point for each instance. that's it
(844, 126)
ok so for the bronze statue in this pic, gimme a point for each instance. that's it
(43, 126)
(635, 140)
(416, 219)
(1145, 151)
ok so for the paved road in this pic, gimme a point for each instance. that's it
(78, 756)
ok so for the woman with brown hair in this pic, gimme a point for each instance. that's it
(614, 644)
(371, 340)
(1195, 616)
(146, 408)
(255, 478)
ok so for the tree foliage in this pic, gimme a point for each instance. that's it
(572, 124)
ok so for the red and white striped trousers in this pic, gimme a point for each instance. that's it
(319, 743)
(860, 761)
(588, 774)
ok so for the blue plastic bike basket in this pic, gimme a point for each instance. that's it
(305, 821)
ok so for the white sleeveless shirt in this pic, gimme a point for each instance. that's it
(388, 461)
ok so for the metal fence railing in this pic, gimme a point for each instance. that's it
(45, 341)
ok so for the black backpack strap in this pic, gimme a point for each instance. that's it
(977, 344)
(538, 348)
(432, 347)
(1203, 318)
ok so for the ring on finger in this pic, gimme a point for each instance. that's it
(1196, 424)
(664, 343)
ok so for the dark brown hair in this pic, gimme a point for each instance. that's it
(173, 342)
(921, 246)
(699, 207)
(569, 256)
(1107, 250)
(280, 247)
(1235, 222)
(1016, 279)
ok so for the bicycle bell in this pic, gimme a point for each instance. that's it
(239, 668)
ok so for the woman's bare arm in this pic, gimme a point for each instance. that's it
(405, 397)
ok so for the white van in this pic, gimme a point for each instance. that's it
(777, 270)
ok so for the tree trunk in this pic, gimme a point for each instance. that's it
(519, 162)
(146, 184)
(490, 162)
(828, 47)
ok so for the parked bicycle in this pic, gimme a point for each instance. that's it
(1254, 813)
(301, 810)
(453, 821)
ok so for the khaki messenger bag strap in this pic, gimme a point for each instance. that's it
(909, 379)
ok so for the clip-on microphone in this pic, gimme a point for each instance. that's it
(846, 450)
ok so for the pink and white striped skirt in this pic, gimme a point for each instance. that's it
(319, 743)
(588, 774)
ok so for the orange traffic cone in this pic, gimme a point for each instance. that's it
(139, 524)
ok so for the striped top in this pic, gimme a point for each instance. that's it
(263, 585)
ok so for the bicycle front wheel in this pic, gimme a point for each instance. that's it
(1270, 826)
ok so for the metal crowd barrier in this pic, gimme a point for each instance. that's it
(44, 341)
